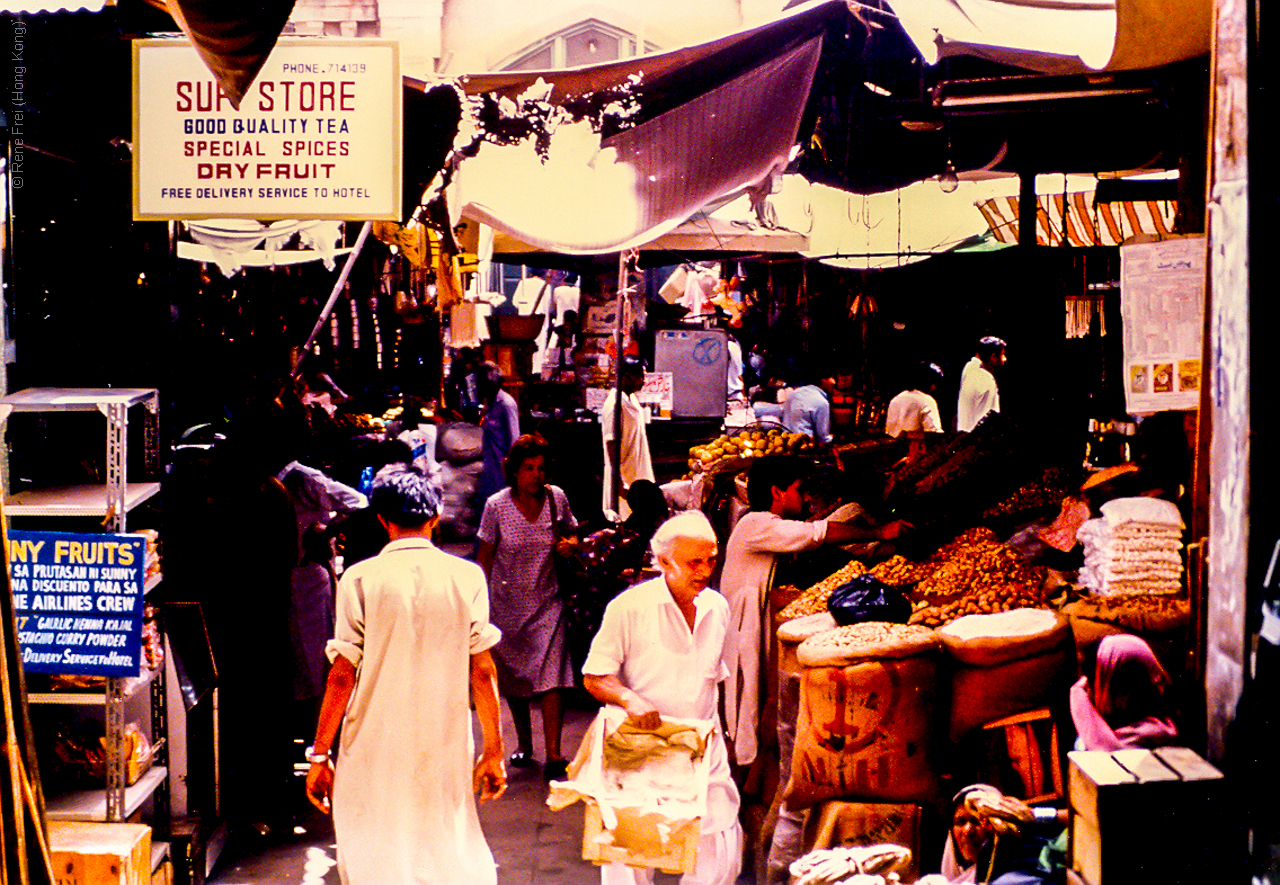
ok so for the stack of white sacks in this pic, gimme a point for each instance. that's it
(1134, 547)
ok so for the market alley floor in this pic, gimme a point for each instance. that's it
(532, 844)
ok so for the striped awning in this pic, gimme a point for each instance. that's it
(35, 7)
(1080, 219)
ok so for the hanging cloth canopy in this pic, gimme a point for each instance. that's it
(1060, 36)
(233, 39)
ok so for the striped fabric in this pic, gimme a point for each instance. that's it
(1080, 220)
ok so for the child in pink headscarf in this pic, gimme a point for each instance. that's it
(1122, 700)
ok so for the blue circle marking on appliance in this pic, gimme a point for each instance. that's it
(707, 351)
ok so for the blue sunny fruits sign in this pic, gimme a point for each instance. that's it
(78, 602)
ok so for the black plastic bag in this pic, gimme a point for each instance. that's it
(865, 598)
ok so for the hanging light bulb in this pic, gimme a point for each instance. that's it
(948, 180)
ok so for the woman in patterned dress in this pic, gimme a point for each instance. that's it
(522, 528)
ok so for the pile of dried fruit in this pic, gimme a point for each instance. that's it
(976, 574)
(973, 573)
(814, 600)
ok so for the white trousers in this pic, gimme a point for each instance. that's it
(719, 863)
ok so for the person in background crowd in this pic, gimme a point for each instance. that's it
(317, 499)
(914, 411)
(658, 653)
(500, 425)
(979, 393)
(774, 525)
(1122, 700)
(631, 449)
(462, 386)
(808, 410)
(360, 534)
(320, 389)
(522, 529)
(753, 370)
(829, 493)
(609, 561)
(557, 362)
(734, 383)
(413, 632)
(253, 653)
(993, 839)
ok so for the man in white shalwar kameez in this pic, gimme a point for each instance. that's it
(412, 632)
(659, 654)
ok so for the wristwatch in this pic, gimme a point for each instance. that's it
(313, 757)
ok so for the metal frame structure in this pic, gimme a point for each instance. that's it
(113, 502)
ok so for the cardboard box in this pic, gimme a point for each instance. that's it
(1145, 815)
(641, 840)
(100, 853)
(657, 797)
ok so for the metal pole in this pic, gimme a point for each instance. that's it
(615, 476)
(1028, 208)
(333, 296)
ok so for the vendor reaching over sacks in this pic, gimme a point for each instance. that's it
(774, 525)
(658, 653)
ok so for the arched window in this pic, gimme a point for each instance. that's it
(587, 42)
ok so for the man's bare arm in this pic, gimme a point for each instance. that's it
(490, 777)
(610, 690)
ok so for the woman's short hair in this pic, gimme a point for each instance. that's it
(403, 495)
(526, 446)
(685, 524)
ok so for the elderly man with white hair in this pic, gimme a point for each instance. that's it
(658, 653)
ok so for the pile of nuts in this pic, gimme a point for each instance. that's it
(898, 571)
(814, 600)
(974, 573)
(979, 576)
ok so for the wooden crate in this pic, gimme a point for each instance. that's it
(100, 853)
(1146, 815)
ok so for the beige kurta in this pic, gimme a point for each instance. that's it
(634, 450)
(403, 809)
(749, 556)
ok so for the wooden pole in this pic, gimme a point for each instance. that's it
(333, 297)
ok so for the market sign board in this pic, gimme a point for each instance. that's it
(656, 395)
(318, 135)
(78, 602)
(1162, 290)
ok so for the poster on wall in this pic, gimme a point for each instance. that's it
(77, 600)
(1162, 288)
(656, 395)
(319, 134)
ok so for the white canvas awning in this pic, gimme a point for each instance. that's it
(1060, 36)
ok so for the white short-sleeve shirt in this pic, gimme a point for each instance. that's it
(646, 642)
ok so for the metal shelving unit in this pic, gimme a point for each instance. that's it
(112, 500)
